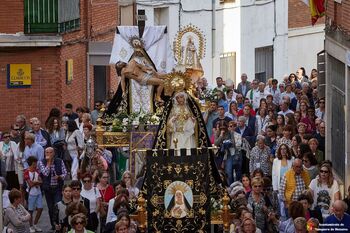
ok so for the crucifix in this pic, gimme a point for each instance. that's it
(141, 21)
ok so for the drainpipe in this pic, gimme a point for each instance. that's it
(88, 37)
(213, 38)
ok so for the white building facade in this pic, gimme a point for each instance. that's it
(303, 45)
(242, 36)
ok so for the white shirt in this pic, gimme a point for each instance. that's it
(323, 196)
(110, 213)
(92, 194)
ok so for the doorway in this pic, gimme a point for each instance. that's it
(100, 83)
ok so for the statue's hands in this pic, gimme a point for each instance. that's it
(124, 95)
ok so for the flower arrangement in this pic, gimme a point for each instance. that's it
(208, 95)
(123, 122)
(215, 205)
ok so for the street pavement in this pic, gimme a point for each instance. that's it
(44, 222)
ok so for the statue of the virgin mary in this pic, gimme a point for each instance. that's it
(181, 123)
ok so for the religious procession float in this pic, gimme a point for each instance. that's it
(155, 114)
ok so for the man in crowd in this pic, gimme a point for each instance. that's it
(96, 111)
(210, 115)
(339, 220)
(220, 84)
(253, 88)
(42, 137)
(221, 117)
(294, 183)
(244, 86)
(53, 172)
(32, 149)
(69, 112)
(260, 94)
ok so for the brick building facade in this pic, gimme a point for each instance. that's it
(303, 38)
(337, 47)
(47, 47)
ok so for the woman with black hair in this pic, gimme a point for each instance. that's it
(74, 143)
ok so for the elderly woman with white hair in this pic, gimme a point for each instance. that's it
(260, 157)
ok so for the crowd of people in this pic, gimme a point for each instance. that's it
(271, 156)
(49, 162)
(271, 153)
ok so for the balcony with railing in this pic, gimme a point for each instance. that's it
(51, 16)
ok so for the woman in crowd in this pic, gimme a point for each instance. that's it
(130, 184)
(75, 143)
(78, 223)
(57, 135)
(8, 151)
(306, 200)
(280, 125)
(233, 111)
(60, 208)
(313, 144)
(107, 193)
(79, 121)
(246, 183)
(260, 157)
(290, 120)
(18, 158)
(121, 227)
(297, 117)
(272, 117)
(93, 195)
(54, 113)
(16, 216)
(303, 109)
(271, 139)
(248, 226)
(281, 165)
(286, 138)
(257, 203)
(300, 225)
(310, 165)
(263, 104)
(324, 189)
(262, 121)
(296, 140)
(87, 130)
(72, 209)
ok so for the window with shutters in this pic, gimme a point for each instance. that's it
(228, 66)
(263, 63)
(51, 16)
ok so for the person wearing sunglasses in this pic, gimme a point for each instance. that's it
(258, 203)
(76, 187)
(8, 169)
(325, 190)
(78, 223)
(93, 195)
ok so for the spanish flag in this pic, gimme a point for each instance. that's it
(317, 9)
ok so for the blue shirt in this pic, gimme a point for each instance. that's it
(212, 116)
(34, 150)
(342, 225)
